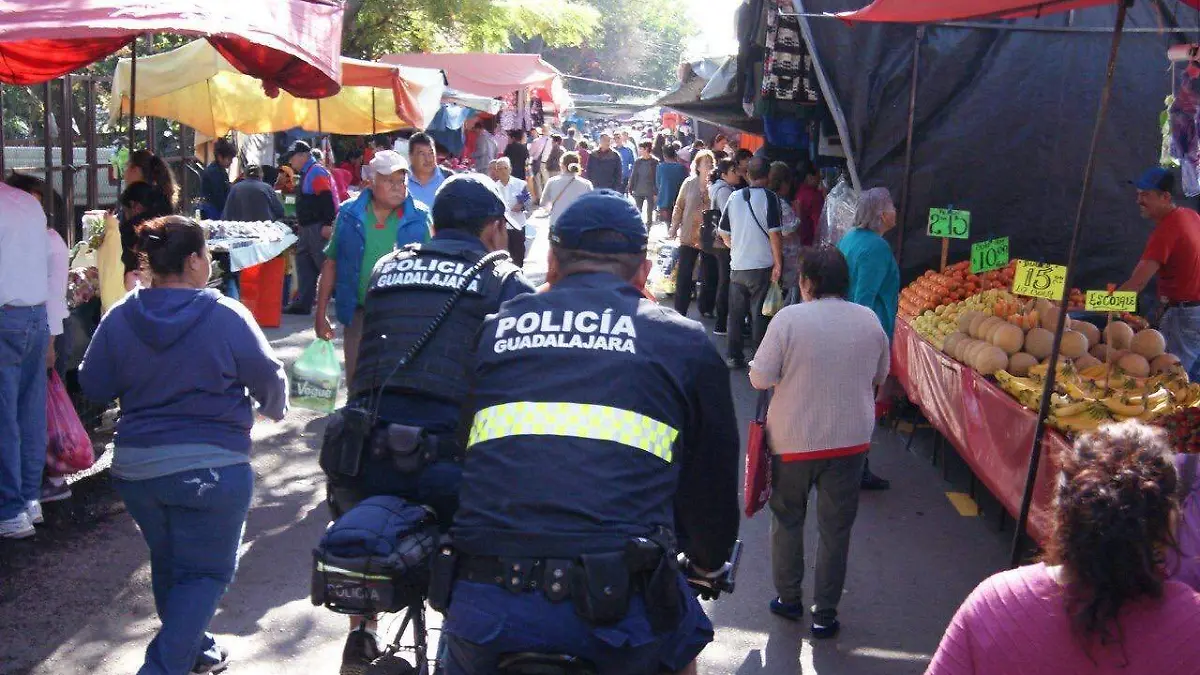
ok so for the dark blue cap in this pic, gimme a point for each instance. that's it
(601, 211)
(467, 196)
(1157, 178)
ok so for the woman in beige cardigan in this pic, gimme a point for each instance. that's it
(690, 206)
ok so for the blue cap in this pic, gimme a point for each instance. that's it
(601, 210)
(467, 196)
(1157, 178)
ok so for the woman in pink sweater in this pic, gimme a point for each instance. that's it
(1101, 602)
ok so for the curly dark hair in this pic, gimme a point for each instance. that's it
(1115, 499)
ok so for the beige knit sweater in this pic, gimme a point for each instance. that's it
(824, 359)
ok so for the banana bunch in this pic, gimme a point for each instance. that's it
(1085, 416)
(1027, 390)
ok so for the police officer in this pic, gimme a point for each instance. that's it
(603, 433)
(411, 448)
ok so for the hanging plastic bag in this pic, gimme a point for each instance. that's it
(315, 378)
(68, 446)
(774, 301)
(837, 218)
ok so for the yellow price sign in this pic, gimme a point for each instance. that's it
(1117, 301)
(1039, 280)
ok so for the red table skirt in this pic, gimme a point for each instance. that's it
(991, 431)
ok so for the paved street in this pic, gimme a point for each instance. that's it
(76, 599)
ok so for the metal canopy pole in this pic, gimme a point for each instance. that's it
(908, 149)
(373, 130)
(48, 152)
(1048, 389)
(2, 139)
(132, 89)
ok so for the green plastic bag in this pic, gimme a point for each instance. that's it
(316, 376)
(774, 300)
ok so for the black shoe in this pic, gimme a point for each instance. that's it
(872, 482)
(734, 363)
(820, 632)
(296, 310)
(719, 331)
(792, 611)
(214, 661)
(360, 650)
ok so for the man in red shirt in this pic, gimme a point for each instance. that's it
(809, 203)
(1173, 253)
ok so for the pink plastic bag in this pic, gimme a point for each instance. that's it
(68, 447)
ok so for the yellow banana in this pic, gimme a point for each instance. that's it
(1065, 407)
(1093, 372)
(1118, 406)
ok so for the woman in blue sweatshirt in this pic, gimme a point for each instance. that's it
(185, 363)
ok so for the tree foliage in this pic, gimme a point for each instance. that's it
(377, 27)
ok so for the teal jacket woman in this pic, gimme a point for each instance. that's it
(874, 274)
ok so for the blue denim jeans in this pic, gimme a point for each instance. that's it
(1181, 327)
(24, 336)
(192, 521)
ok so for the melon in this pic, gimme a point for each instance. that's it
(1101, 352)
(1074, 344)
(964, 321)
(989, 329)
(1039, 342)
(968, 351)
(990, 359)
(1009, 338)
(951, 342)
(1020, 363)
(1118, 335)
(1089, 330)
(986, 325)
(1087, 361)
(1149, 343)
(1134, 364)
(1050, 318)
(1162, 363)
(976, 322)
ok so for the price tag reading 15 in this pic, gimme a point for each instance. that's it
(1117, 301)
(1039, 280)
(949, 223)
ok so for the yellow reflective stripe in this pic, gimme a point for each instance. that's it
(577, 420)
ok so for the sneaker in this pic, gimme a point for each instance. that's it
(826, 631)
(360, 650)
(34, 511)
(734, 363)
(872, 482)
(792, 611)
(720, 332)
(53, 491)
(206, 665)
(19, 527)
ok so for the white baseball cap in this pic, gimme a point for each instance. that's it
(387, 162)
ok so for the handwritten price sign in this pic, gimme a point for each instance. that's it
(1039, 280)
(1117, 301)
(989, 255)
(949, 223)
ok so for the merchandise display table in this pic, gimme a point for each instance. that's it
(248, 244)
(989, 429)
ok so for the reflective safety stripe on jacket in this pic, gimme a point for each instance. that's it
(577, 420)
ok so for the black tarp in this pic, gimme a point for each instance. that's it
(1003, 124)
(717, 104)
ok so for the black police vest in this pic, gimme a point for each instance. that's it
(408, 290)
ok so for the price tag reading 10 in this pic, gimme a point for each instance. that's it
(989, 255)
(1039, 280)
(949, 223)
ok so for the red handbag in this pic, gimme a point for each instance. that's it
(756, 489)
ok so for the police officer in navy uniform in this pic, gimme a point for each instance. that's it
(603, 441)
(413, 450)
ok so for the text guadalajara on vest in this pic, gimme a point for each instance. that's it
(602, 331)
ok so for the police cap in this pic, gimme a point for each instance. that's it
(601, 211)
(467, 197)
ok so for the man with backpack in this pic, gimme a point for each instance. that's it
(751, 228)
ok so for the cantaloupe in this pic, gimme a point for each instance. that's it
(951, 341)
(976, 322)
(1020, 363)
(969, 350)
(1039, 342)
(1101, 351)
(1050, 318)
(990, 359)
(1089, 330)
(1009, 338)
(1074, 344)
(1162, 363)
(1087, 361)
(1149, 343)
(989, 329)
(1134, 364)
(1118, 335)
(985, 326)
(964, 321)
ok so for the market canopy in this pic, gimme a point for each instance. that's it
(495, 74)
(293, 45)
(930, 11)
(197, 86)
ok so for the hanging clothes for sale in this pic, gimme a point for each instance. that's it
(789, 74)
(1185, 133)
(536, 114)
(447, 127)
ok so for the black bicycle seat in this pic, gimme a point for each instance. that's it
(530, 663)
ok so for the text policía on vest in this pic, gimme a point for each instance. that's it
(602, 331)
(416, 271)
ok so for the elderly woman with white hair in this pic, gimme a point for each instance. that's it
(519, 202)
(874, 274)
